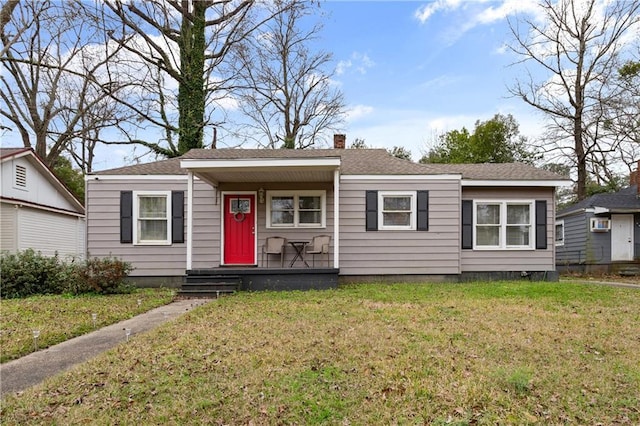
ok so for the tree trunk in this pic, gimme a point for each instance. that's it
(581, 162)
(191, 92)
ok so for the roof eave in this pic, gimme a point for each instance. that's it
(197, 164)
(513, 183)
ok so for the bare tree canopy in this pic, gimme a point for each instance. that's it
(5, 13)
(622, 112)
(51, 87)
(286, 90)
(570, 56)
(184, 43)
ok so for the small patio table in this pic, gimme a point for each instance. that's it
(299, 246)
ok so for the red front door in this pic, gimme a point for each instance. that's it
(239, 229)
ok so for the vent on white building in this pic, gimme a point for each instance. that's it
(21, 176)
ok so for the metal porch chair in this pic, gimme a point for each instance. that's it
(319, 245)
(274, 245)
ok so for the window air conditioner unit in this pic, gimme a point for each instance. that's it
(600, 224)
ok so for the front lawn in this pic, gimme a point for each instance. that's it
(59, 318)
(482, 353)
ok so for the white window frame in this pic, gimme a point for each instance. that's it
(503, 224)
(296, 209)
(600, 224)
(136, 197)
(558, 242)
(414, 209)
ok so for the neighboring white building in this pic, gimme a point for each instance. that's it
(37, 211)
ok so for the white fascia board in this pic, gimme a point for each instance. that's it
(21, 203)
(135, 177)
(598, 210)
(195, 164)
(400, 177)
(551, 183)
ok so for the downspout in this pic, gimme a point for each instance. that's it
(336, 218)
(189, 220)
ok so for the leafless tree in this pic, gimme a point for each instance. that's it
(52, 89)
(576, 48)
(6, 10)
(286, 88)
(184, 42)
(622, 111)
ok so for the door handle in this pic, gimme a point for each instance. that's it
(253, 230)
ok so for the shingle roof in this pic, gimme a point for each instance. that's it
(7, 152)
(162, 167)
(353, 162)
(626, 198)
(497, 171)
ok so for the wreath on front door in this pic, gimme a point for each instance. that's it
(238, 216)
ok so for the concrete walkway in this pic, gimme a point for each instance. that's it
(22, 373)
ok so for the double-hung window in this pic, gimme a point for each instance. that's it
(152, 212)
(397, 210)
(296, 209)
(503, 224)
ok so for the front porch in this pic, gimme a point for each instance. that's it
(257, 199)
(213, 282)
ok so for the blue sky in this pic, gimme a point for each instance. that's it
(410, 70)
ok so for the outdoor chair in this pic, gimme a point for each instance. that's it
(319, 245)
(274, 245)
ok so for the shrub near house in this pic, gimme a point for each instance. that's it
(29, 273)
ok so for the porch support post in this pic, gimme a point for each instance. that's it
(336, 218)
(189, 219)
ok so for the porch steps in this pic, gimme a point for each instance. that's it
(209, 285)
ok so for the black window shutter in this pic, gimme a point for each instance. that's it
(126, 217)
(372, 210)
(467, 224)
(541, 224)
(423, 210)
(177, 216)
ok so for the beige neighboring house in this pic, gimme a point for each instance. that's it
(37, 211)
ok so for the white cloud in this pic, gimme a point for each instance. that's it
(475, 13)
(360, 62)
(440, 81)
(358, 111)
(425, 12)
(506, 9)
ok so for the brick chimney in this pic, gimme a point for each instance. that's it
(339, 141)
(634, 177)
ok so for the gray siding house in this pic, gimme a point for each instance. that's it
(601, 233)
(210, 212)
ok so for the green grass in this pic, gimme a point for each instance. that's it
(485, 353)
(59, 318)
